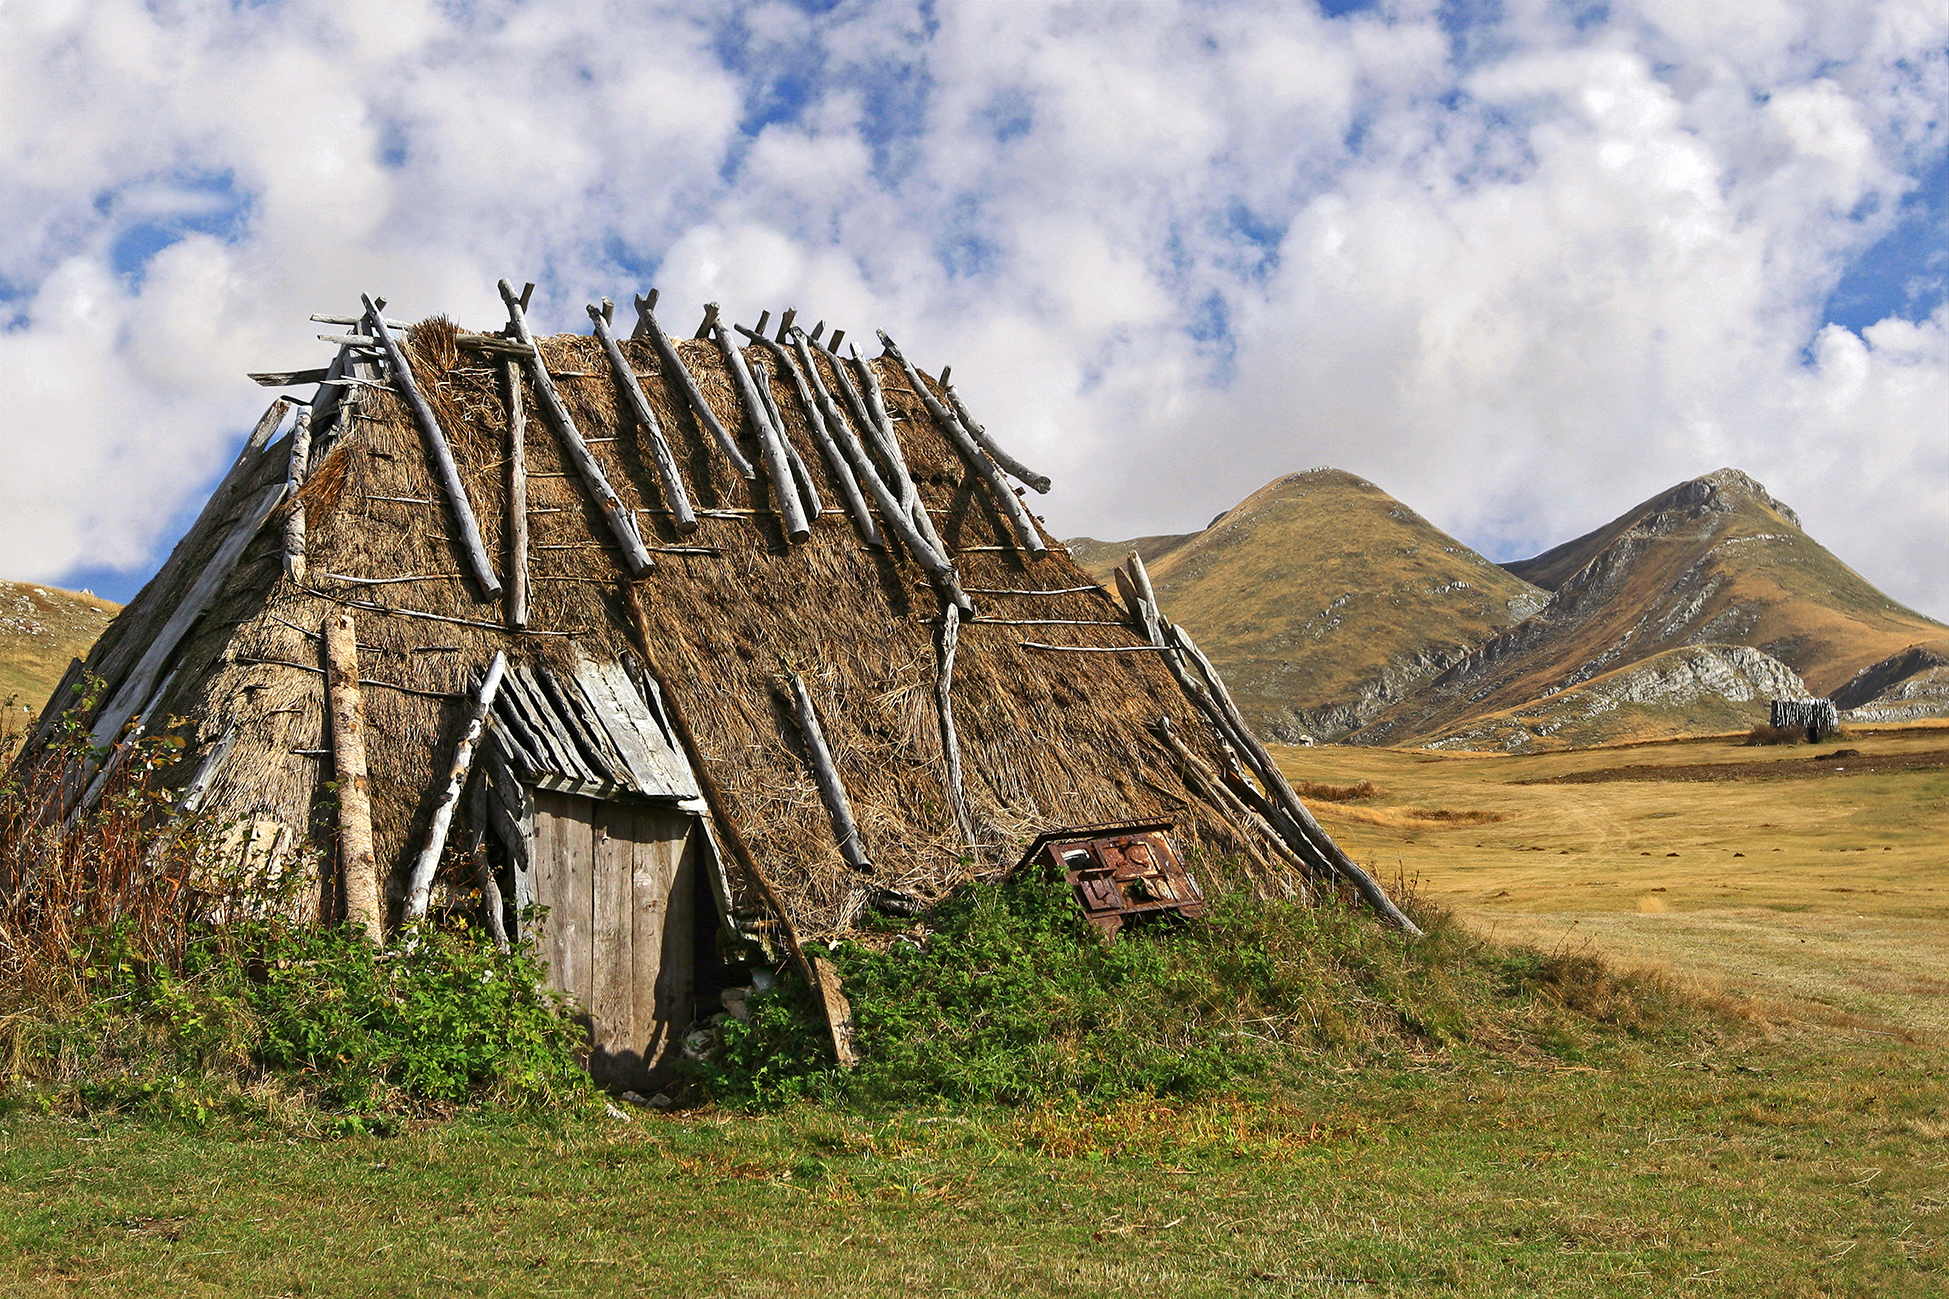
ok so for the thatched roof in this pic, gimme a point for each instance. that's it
(1048, 738)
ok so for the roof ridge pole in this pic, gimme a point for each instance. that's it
(801, 473)
(784, 487)
(444, 467)
(636, 559)
(891, 509)
(826, 775)
(1018, 513)
(419, 887)
(671, 481)
(687, 384)
(836, 464)
(1040, 482)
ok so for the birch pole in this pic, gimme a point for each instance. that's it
(784, 486)
(294, 479)
(826, 773)
(950, 738)
(419, 887)
(1040, 482)
(674, 367)
(820, 416)
(517, 499)
(674, 496)
(363, 906)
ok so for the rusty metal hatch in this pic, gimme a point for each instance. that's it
(1119, 871)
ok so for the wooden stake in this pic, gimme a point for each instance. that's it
(674, 368)
(517, 499)
(971, 451)
(950, 738)
(363, 904)
(419, 886)
(826, 774)
(784, 489)
(674, 496)
(636, 560)
(444, 467)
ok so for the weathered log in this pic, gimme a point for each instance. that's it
(444, 468)
(826, 774)
(971, 451)
(709, 323)
(1040, 482)
(880, 427)
(287, 378)
(356, 320)
(671, 481)
(838, 1012)
(363, 904)
(484, 879)
(294, 521)
(674, 368)
(636, 560)
(1210, 786)
(770, 441)
(420, 884)
(517, 498)
(808, 490)
(950, 639)
(492, 343)
(818, 411)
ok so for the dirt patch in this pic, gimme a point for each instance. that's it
(1782, 769)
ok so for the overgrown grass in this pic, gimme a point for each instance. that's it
(1013, 1000)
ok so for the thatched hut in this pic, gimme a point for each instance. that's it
(703, 647)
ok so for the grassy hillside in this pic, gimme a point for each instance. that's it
(1712, 561)
(41, 629)
(1323, 599)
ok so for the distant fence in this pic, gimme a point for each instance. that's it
(1815, 716)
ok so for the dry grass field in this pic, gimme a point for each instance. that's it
(1778, 872)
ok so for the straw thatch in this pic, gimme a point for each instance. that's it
(1048, 739)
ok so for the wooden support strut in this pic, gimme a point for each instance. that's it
(363, 907)
(1040, 482)
(517, 498)
(784, 487)
(674, 496)
(622, 523)
(818, 408)
(808, 490)
(972, 452)
(420, 884)
(490, 887)
(444, 467)
(950, 639)
(294, 479)
(897, 517)
(870, 404)
(831, 789)
(674, 368)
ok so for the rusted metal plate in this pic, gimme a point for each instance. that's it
(1119, 871)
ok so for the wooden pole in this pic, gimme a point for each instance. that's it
(880, 427)
(950, 739)
(517, 499)
(636, 559)
(674, 368)
(674, 496)
(826, 774)
(1211, 787)
(971, 451)
(784, 487)
(819, 412)
(419, 887)
(1040, 482)
(808, 490)
(443, 465)
(490, 888)
(363, 904)
(294, 479)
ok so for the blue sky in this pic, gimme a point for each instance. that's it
(1522, 264)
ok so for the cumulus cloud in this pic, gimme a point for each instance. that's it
(1523, 271)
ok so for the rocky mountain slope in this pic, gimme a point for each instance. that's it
(1324, 600)
(42, 628)
(1714, 562)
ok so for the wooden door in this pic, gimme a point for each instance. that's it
(620, 884)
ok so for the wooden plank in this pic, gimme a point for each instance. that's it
(550, 827)
(672, 483)
(364, 901)
(784, 488)
(838, 1013)
(674, 368)
(444, 468)
(612, 969)
(289, 378)
(622, 522)
(655, 768)
(673, 990)
(517, 498)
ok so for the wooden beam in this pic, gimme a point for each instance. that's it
(674, 368)
(419, 887)
(971, 451)
(517, 498)
(444, 467)
(364, 908)
(784, 487)
(898, 479)
(636, 560)
(710, 322)
(492, 343)
(831, 789)
(668, 478)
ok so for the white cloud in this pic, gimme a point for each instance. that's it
(1524, 276)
